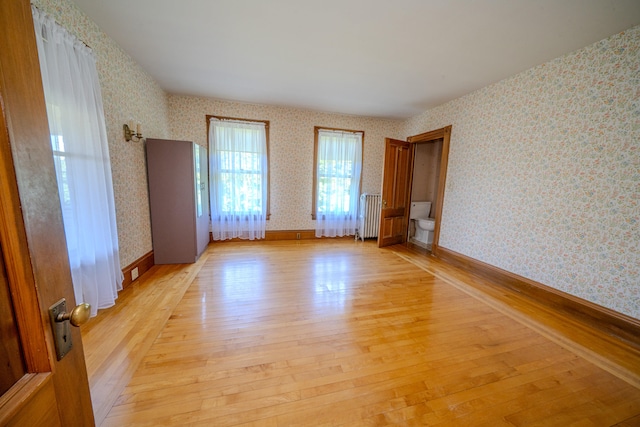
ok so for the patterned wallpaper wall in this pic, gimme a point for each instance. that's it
(129, 93)
(290, 148)
(544, 167)
(544, 173)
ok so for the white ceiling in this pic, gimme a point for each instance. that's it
(377, 58)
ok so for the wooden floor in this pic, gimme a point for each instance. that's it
(341, 333)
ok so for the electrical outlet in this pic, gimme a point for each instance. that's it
(134, 274)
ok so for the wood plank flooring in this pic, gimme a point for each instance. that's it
(341, 333)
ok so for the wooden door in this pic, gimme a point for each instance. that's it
(42, 390)
(394, 216)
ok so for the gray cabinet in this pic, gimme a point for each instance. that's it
(178, 199)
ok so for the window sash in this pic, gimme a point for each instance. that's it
(330, 169)
(239, 177)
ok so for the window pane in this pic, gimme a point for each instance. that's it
(333, 194)
(60, 160)
(238, 168)
(337, 154)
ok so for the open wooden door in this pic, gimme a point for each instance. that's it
(36, 389)
(395, 192)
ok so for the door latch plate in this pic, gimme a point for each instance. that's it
(61, 330)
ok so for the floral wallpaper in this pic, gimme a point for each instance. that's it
(544, 173)
(290, 149)
(128, 93)
(544, 167)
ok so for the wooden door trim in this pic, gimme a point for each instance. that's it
(13, 408)
(430, 136)
(444, 134)
(17, 259)
(27, 161)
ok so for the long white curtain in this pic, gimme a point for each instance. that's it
(81, 155)
(339, 165)
(238, 179)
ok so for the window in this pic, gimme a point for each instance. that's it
(61, 159)
(81, 157)
(336, 180)
(239, 177)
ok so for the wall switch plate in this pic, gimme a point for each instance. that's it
(134, 274)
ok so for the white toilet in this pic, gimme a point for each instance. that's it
(422, 225)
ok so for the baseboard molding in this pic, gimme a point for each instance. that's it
(287, 235)
(144, 263)
(290, 234)
(609, 321)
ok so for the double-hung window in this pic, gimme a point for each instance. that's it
(337, 179)
(238, 174)
(81, 156)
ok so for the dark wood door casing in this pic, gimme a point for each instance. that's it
(31, 229)
(443, 134)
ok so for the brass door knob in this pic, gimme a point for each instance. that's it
(78, 316)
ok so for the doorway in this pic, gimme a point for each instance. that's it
(397, 182)
(428, 177)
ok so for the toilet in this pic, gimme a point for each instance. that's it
(422, 225)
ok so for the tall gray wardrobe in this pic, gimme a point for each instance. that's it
(178, 199)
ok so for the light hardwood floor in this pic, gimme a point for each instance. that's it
(341, 333)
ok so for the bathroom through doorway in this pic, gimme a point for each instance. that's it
(427, 185)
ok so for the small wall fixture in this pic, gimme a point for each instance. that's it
(129, 134)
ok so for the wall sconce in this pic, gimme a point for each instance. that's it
(129, 134)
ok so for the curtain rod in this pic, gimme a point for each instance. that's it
(358, 132)
(246, 122)
(65, 28)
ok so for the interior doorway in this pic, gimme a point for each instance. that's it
(430, 149)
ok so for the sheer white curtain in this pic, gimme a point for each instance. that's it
(338, 169)
(83, 169)
(238, 179)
